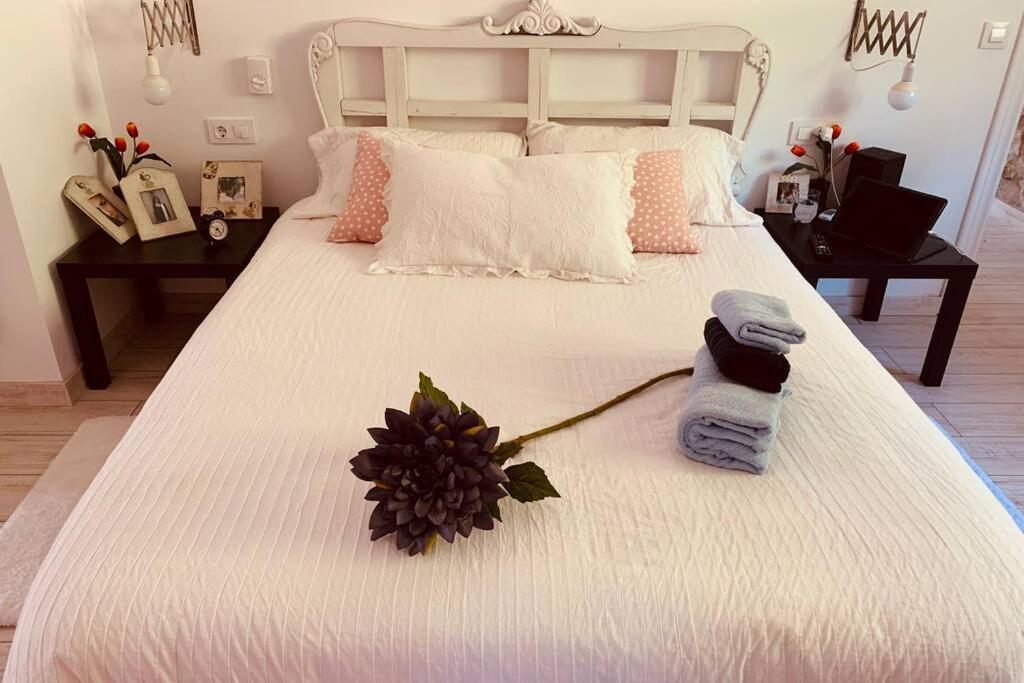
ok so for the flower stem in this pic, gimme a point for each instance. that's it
(603, 407)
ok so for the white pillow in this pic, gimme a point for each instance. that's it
(335, 153)
(458, 213)
(709, 157)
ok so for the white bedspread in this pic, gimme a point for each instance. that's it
(226, 539)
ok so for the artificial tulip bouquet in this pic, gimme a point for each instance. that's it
(827, 136)
(437, 470)
(115, 150)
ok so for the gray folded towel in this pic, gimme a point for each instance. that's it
(757, 320)
(726, 424)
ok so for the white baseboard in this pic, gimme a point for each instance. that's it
(65, 393)
(191, 302)
(1008, 210)
(892, 305)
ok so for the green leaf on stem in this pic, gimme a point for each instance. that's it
(492, 507)
(463, 409)
(799, 167)
(114, 157)
(527, 483)
(152, 156)
(505, 451)
(428, 390)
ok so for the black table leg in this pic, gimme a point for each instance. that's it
(954, 300)
(87, 331)
(873, 299)
(149, 297)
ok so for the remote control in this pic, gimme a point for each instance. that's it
(819, 244)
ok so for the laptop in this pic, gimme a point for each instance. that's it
(895, 221)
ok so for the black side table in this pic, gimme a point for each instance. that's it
(185, 255)
(851, 261)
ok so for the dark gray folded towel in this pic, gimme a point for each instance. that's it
(726, 424)
(748, 365)
(757, 320)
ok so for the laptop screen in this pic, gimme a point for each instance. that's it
(889, 218)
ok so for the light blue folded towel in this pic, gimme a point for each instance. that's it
(757, 320)
(726, 424)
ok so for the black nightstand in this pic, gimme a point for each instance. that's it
(851, 261)
(185, 255)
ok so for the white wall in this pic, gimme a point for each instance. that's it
(50, 80)
(942, 136)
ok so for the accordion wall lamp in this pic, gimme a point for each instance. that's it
(166, 22)
(890, 36)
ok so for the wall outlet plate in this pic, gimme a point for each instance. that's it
(801, 131)
(231, 130)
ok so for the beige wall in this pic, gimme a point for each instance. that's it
(50, 82)
(943, 136)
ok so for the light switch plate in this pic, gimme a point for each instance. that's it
(801, 131)
(231, 130)
(261, 81)
(995, 35)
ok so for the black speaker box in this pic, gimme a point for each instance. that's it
(883, 165)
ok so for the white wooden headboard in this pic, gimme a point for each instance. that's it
(539, 28)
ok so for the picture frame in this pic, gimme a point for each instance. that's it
(100, 204)
(156, 203)
(784, 190)
(234, 187)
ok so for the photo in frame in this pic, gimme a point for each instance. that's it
(234, 187)
(156, 203)
(785, 190)
(101, 205)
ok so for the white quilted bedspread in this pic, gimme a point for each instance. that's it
(226, 539)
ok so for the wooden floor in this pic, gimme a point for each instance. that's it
(981, 402)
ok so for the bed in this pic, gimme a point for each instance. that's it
(226, 539)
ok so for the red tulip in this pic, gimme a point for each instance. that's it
(837, 130)
(133, 130)
(142, 147)
(120, 144)
(798, 151)
(851, 148)
(86, 131)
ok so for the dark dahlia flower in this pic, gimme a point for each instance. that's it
(434, 473)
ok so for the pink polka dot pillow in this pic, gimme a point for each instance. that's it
(364, 214)
(660, 223)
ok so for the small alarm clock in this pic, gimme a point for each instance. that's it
(213, 227)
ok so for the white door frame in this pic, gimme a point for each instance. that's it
(997, 146)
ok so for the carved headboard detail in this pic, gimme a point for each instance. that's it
(540, 28)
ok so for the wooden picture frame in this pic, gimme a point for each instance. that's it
(100, 204)
(234, 187)
(784, 190)
(156, 203)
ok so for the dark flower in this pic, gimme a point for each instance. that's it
(434, 473)
(133, 130)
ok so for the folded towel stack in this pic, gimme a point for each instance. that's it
(731, 415)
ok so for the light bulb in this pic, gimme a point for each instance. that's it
(903, 95)
(155, 88)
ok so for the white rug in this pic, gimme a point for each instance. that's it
(26, 537)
